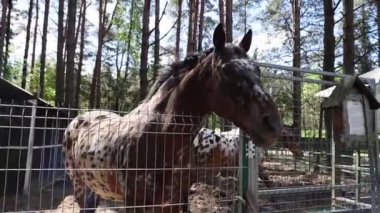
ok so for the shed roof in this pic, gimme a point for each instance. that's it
(374, 74)
(10, 91)
(345, 87)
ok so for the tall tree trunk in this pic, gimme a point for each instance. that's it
(245, 15)
(43, 48)
(201, 25)
(195, 25)
(348, 38)
(129, 40)
(81, 54)
(229, 21)
(178, 32)
(60, 66)
(144, 51)
(119, 84)
(328, 40)
(102, 31)
(222, 13)
(296, 63)
(156, 61)
(79, 21)
(7, 40)
(4, 4)
(329, 53)
(190, 29)
(225, 17)
(34, 39)
(26, 50)
(70, 50)
(365, 62)
(328, 64)
(96, 75)
(378, 31)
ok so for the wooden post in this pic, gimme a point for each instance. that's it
(357, 175)
(29, 159)
(253, 171)
(333, 172)
(373, 155)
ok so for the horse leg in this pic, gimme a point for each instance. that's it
(264, 177)
(185, 201)
(92, 202)
(170, 205)
(87, 202)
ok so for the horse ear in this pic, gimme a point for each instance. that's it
(245, 43)
(219, 38)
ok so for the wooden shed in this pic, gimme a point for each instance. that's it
(16, 122)
(353, 99)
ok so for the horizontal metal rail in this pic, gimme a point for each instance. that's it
(268, 192)
(304, 70)
(353, 202)
(304, 80)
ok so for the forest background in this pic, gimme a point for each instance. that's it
(107, 53)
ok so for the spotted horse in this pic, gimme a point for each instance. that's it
(222, 150)
(144, 158)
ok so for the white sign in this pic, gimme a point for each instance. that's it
(356, 117)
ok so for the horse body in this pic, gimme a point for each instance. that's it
(222, 150)
(143, 159)
(108, 148)
(218, 150)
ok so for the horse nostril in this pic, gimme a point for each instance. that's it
(273, 123)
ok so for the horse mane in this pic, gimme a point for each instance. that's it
(173, 74)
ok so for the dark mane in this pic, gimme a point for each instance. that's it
(174, 73)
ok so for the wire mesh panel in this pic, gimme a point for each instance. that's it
(31, 156)
(25, 127)
(302, 173)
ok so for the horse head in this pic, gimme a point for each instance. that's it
(235, 91)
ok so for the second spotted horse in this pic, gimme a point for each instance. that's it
(222, 150)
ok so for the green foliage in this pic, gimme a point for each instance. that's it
(12, 72)
(123, 45)
(34, 79)
(365, 46)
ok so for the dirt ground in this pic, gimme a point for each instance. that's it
(203, 198)
(211, 195)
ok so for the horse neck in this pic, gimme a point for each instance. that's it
(187, 102)
(182, 112)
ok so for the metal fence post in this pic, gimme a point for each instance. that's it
(243, 164)
(28, 167)
(253, 174)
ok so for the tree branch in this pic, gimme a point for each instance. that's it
(162, 15)
(166, 32)
(112, 17)
(337, 4)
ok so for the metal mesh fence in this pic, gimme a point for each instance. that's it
(298, 174)
(33, 175)
(312, 181)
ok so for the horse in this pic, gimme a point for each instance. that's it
(222, 150)
(144, 159)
